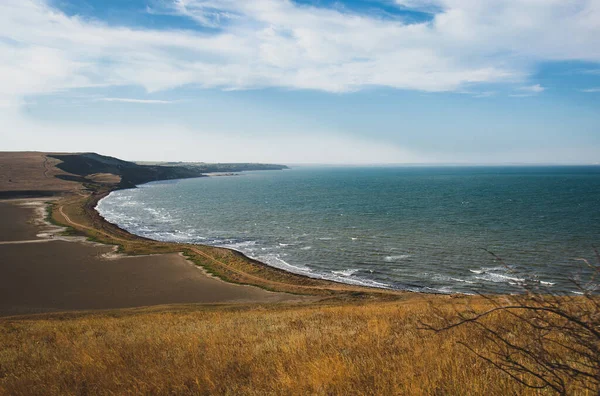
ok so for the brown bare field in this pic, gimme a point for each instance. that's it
(17, 222)
(60, 276)
(30, 172)
(65, 273)
(104, 178)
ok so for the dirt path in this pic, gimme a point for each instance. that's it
(46, 169)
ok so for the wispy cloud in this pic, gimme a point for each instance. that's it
(131, 100)
(534, 89)
(478, 94)
(485, 94)
(591, 71)
(279, 43)
(591, 90)
(527, 91)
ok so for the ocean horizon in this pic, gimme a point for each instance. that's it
(437, 229)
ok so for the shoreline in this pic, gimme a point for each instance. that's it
(253, 272)
(248, 257)
(47, 268)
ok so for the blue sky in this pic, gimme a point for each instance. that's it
(306, 81)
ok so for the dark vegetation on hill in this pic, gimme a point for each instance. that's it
(219, 167)
(132, 173)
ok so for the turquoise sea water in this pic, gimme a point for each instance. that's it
(415, 228)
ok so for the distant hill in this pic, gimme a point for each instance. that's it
(87, 164)
(218, 167)
(38, 174)
(32, 174)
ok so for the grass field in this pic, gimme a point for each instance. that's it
(337, 349)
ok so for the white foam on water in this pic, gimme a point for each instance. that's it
(437, 290)
(499, 278)
(498, 274)
(161, 215)
(241, 245)
(462, 280)
(355, 281)
(347, 272)
(343, 276)
(399, 257)
(171, 236)
(276, 261)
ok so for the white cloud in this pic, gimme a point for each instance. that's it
(132, 100)
(591, 90)
(531, 89)
(485, 94)
(523, 95)
(278, 43)
(591, 71)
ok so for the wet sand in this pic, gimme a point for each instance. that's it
(63, 275)
(17, 221)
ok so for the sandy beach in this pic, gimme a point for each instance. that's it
(45, 275)
(17, 222)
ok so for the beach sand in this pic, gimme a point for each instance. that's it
(17, 221)
(62, 274)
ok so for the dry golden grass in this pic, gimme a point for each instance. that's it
(283, 350)
(104, 178)
(32, 171)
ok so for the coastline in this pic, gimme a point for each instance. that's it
(47, 268)
(71, 184)
(227, 264)
(246, 256)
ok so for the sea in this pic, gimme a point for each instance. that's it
(419, 228)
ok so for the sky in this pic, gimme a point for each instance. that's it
(304, 81)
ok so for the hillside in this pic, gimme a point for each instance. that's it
(37, 174)
(86, 164)
(219, 167)
(32, 174)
